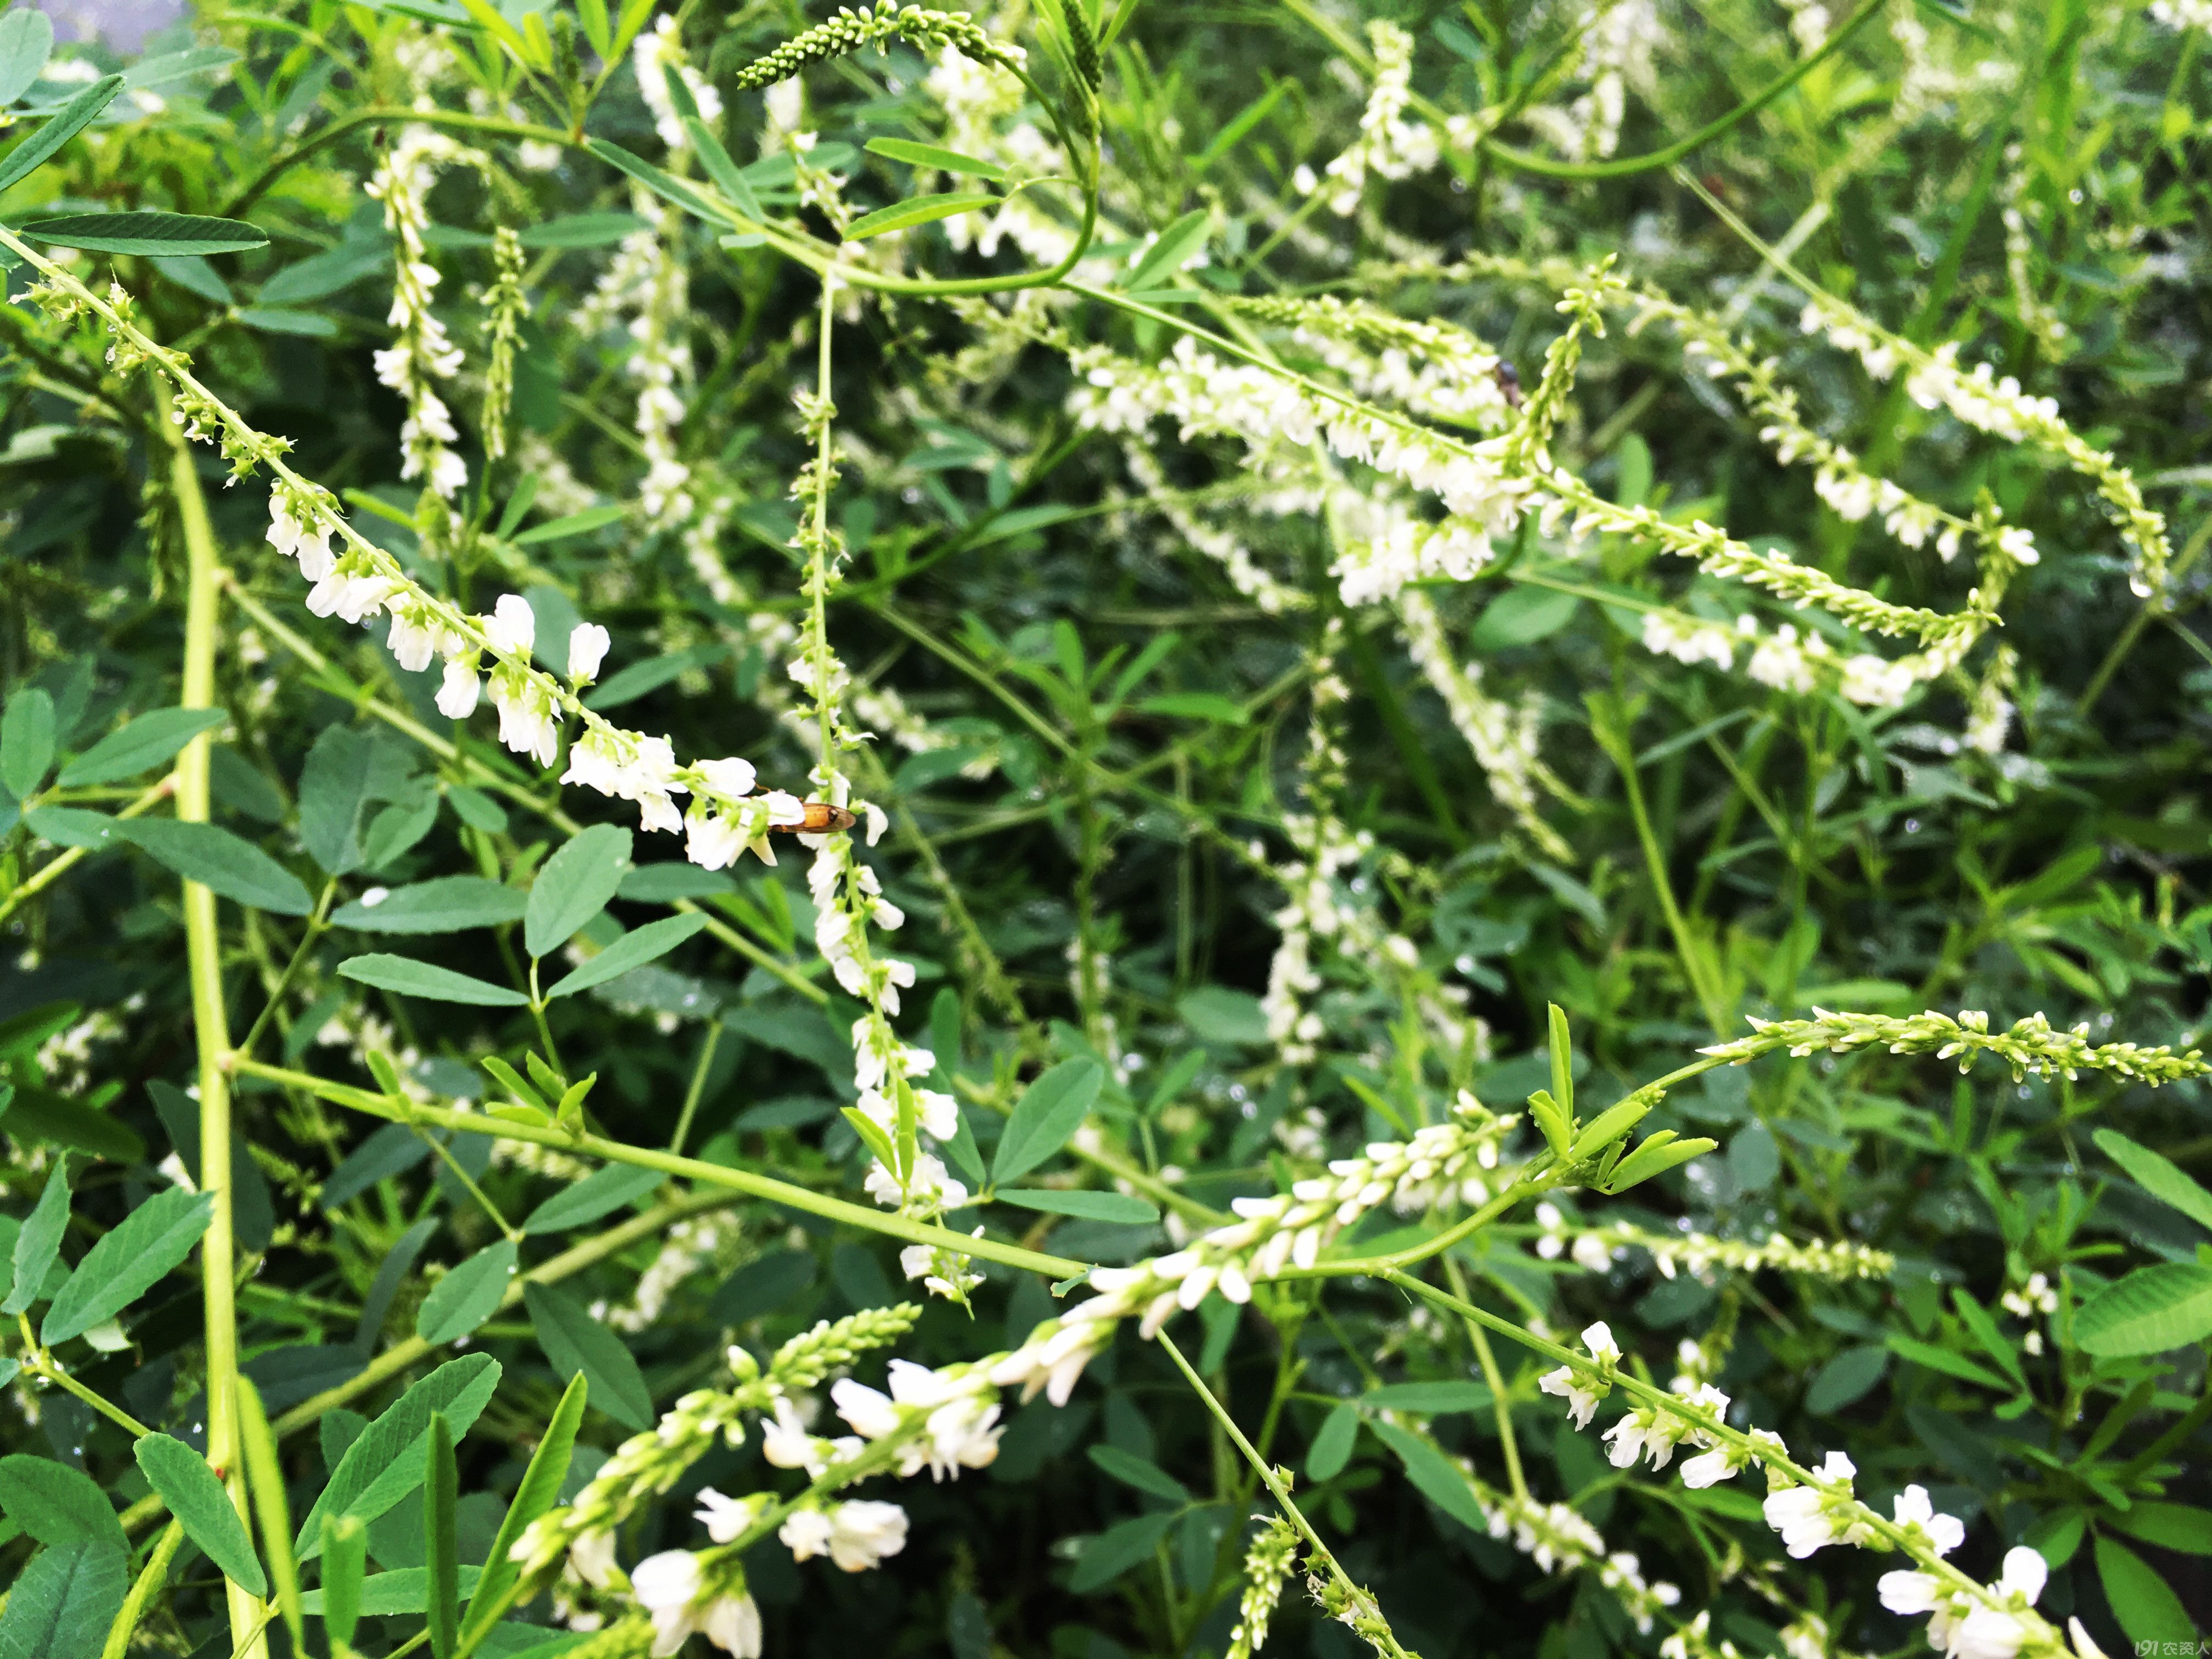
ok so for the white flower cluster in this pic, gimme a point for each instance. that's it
(1503, 737)
(1593, 1250)
(661, 358)
(980, 102)
(657, 50)
(2183, 14)
(1268, 1563)
(672, 1588)
(1620, 41)
(1990, 711)
(423, 352)
(725, 818)
(2033, 1045)
(1997, 405)
(1812, 1511)
(1388, 145)
(1244, 572)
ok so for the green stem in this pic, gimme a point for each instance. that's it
(316, 924)
(1277, 1488)
(204, 963)
(1500, 1404)
(378, 114)
(150, 1579)
(396, 1110)
(707, 1046)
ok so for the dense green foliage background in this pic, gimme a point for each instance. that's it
(1053, 815)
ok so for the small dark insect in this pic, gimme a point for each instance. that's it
(821, 818)
(1508, 382)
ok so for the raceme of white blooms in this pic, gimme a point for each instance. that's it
(1620, 44)
(655, 51)
(848, 900)
(1812, 1510)
(2183, 14)
(1595, 1249)
(1997, 405)
(1388, 145)
(423, 352)
(2032, 1046)
(1268, 1563)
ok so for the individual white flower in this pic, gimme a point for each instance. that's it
(592, 1557)
(526, 725)
(587, 649)
(1809, 1519)
(459, 688)
(1583, 1387)
(1910, 1592)
(806, 1534)
(733, 1624)
(1912, 1511)
(871, 1412)
(726, 1517)
(667, 1585)
(730, 776)
(863, 1532)
(512, 628)
(713, 839)
(785, 1442)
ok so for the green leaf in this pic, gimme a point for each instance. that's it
(582, 230)
(197, 1499)
(303, 324)
(661, 184)
(664, 883)
(2149, 1311)
(217, 860)
(1522, 616)
(2145, 1603)
(1849, 1376)
(1433, 1474)
(386, 1464)
(334, 786)
(264, 1485)
(933, 155)
(162, 234)
(41, 1115)
(1430, 1398)
(421, 979)
(71, 826)
(143, 745)
(1332, 1444)
(1196, 706)
(393, 1594)
(1657, 1154)
(1943, 1359)
(26, 729)
(477, 809)
(1176, 243)
(1050, 1111)
(441, 1545)
(574, 886)
(1118, 1207)
(127, 1262)
(1117, 1549)
(40, 1242)
(467, 1296)
(2159, 1176)
(921, 210)
(628, 684)
(57, 1504)
(1144, 1475)
(345, 1543)
(572, 523)
(64, 124)
(1218, 1015)
(602, 1192)
(578, 1343)
(27, 41)
(2169, 1526)
(444, 904)
(648, 944)
(539, 1491)
(62, 1604)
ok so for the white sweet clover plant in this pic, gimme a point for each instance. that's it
(1348, 464)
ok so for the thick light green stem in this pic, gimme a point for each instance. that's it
(204, 963)
(646, 1158)
(150, 1579)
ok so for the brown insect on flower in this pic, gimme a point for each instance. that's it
(821, 818)
(1508, 383)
